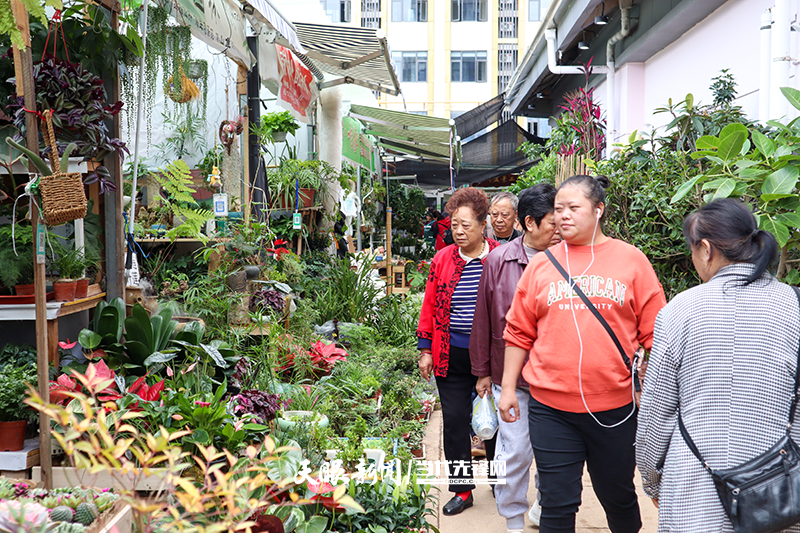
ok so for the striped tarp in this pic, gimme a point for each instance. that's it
(417, 135)
(355, 53)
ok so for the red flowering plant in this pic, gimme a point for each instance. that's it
(316, 362)
(580, 128)
(64, 388)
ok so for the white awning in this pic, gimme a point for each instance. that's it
(265, 12)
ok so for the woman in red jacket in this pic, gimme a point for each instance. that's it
(445, 323)
(582, 408)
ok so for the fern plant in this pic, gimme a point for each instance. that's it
(176, 182)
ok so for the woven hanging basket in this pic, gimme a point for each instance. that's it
(63, 198)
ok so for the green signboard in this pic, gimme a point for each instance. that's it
(356, 145)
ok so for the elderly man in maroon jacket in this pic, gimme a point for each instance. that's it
(502, 270)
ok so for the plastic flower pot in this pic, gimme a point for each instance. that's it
(23, 290)
(81, 288)
(289, 419)
(12, 435)
(65, 290)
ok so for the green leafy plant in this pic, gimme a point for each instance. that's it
(761, 168)
(14, 383)
(146, 337)
(186, 136)
(16, 266)
(176, 181)
(105, 332)
(348, 295)
(277, 121)
(69, 262)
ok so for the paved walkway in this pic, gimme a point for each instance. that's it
(483, 517)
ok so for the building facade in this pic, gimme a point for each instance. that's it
(450, 55)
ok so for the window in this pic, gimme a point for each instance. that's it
(536, 8)
(412, 66)
(466, 10)
(467, 66)
(506, 65)
(507, 19)
(370, 13)
(337, 10)
(409, 10)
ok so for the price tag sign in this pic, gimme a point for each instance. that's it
(41, 238)
(297, 221)
(221, 205)
(133, 279)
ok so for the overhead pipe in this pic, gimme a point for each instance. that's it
(781, 58)
(765, 67)
(611, 101)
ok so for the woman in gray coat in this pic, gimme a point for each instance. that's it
(724, 354)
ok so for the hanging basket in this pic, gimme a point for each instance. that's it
(188, 92)
(63, 198)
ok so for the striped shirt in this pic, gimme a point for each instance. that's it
(462, 305)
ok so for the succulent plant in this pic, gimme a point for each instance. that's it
(66, 527)
(86, 513)
(62, 513)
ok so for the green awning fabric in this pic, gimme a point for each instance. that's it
(410, 134)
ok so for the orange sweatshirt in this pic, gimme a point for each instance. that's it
(622, 285)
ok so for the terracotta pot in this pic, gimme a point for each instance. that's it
(306, 199)
(65, 290)
(12, 435)
(23, 290)
(81, 288)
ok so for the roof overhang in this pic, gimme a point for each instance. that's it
(409, 134)
(651, 34)
(266, 13)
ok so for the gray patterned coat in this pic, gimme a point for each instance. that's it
(726, 356)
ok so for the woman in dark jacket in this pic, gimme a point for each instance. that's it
(444, 329)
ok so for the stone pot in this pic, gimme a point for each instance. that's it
(237, 281)
(252, 271)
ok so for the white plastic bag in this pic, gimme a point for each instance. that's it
(484, 417)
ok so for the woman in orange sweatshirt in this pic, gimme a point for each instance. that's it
(582, 408)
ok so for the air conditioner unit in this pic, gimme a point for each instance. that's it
(507, 26)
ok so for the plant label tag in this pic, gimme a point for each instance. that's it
(221, 205)
(133, 278)
(297, 221)
(41, 237)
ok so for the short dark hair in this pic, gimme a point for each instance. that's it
(730, 227)
(536, 202)
(471, 197)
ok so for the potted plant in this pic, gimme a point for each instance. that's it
(88, 259)
(310, 176)
(69, 263)
(273, 127)
(79, 115)
(14, 414)
(16, 258)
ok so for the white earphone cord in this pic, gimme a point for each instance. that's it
(580, 340)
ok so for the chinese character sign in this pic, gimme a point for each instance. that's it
(297, 85)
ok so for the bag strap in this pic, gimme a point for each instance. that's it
(591, 307)
(792, 408)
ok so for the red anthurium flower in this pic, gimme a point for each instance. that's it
(154, 394)
(97, 354)
(320, 487)
(67, 345)
(280, 242)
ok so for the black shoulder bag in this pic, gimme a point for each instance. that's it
(763, 494)
(631, 366)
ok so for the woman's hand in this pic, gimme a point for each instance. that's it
(655, 502)
(508, 401)
(484, 385)
(425, 365)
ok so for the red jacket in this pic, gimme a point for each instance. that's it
(441, 226)
(434, 318)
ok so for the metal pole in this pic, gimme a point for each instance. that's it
(136, 143)
(358, 217)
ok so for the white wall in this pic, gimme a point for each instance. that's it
(729, 38)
